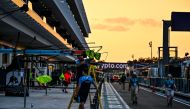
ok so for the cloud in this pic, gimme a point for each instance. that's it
(129, 22)
(100, 26)
(149, 22)
(123, 24)
(120, 20)
(118, 28)
(110, 27)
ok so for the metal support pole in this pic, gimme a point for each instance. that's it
(25, 79)
(151, 52)
(46, 88)
(47, 74)
(176, 53)
(159, 61)
(24, 85)
(150, 44)
(166, 25)
(31, 74)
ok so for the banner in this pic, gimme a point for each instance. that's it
(113, 65)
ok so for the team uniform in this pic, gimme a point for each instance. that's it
(134, 89)
(169, 85)
(67, 78)
(84, 84)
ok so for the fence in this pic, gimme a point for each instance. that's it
(182, 84)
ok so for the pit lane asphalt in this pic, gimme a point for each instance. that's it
(146, 99)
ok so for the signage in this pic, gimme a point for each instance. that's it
(180, 21)
(113, 65)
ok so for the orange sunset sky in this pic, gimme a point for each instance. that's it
(125, 27)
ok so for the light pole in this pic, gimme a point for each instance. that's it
(133, 61)
(152, 81)
(132, 57)
(150, 45)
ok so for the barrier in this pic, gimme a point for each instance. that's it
(157, 83)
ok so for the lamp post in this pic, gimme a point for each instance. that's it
(150, 45)
(132, 57)
(152, 81)
(133, 67)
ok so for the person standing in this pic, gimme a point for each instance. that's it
(83, 87)
(67, 79)
(79, 73)
(169, 89)
(134, 87)
(122, 80)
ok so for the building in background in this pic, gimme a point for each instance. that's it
(48, 24)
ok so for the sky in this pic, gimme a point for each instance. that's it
(125, 27)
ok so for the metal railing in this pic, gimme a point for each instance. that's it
(182, 84)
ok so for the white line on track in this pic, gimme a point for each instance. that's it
(175, 99)
(124, 103)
